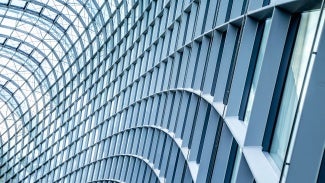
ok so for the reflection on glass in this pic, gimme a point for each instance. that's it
(236, 165)
(321, 24)
(257, 71)
(293, 85)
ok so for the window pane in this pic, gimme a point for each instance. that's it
(257, 71)
(236, 165)
(293, 85)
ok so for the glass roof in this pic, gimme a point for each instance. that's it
(43, 43)
(45, 46)
(39, 41)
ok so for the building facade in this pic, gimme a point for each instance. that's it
(162, 91)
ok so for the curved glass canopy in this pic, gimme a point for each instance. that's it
(43, 45)
(38, 41)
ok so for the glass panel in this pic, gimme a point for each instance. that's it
(236, 165)
(293, 85)
(257, 71)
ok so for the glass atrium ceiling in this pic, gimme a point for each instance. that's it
(43, 44)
